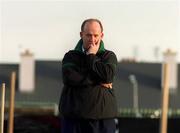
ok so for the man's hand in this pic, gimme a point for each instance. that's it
(93, 49)
(107, 85)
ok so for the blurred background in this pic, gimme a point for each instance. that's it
(133, 28)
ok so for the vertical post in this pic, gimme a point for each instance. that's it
(11, 104)
(165, 100)
(136, 105)
(2, 108)
(135, 95)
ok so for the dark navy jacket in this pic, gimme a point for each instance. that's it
(83, 96)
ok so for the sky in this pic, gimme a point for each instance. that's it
(143, 29)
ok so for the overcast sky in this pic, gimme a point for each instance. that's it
(49, 28)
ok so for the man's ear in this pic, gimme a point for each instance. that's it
(102, 35)
(81, 34)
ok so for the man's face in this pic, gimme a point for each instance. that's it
(91, 34)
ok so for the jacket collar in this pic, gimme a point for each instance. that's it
(80, 43)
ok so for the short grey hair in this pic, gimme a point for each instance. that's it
(91, 20)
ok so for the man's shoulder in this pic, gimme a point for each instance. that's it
(108, 53)
(72, 52)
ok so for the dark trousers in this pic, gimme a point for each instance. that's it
(87, 126)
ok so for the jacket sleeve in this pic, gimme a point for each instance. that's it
(72, 72)
(104, 67)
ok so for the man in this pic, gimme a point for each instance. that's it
(88, 103)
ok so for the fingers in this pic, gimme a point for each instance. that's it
(107, 85)
(94, 47)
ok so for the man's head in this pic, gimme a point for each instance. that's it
(91, 32)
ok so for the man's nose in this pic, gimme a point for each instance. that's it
(92, 38)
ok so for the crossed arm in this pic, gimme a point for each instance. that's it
(104, 72)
